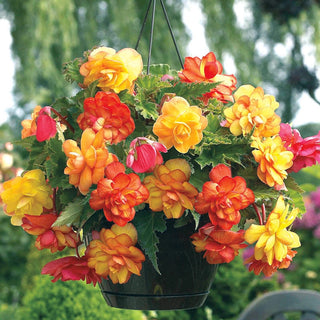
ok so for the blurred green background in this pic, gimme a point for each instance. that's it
(268, 43)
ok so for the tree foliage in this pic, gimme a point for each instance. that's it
(263, 39)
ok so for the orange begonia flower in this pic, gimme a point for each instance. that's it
(169, 188)
(116, 71)
(220, 246)
(180, 125)
(29, 194)
(30, 125)
(273, 158)
(208, 69)
(273, 239)
(106, 112)
(114, 255)
(53, 238)
(118, 194)
(258, 266)
(85, 165)
(223, 197)
(253, 110)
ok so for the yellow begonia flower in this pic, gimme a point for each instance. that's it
(180, 125)
(253, 110)
(116, 71)
(273, 239)
(26, 195)
(169, 189)
(273, 158)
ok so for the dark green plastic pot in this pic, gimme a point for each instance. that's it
(185, 278)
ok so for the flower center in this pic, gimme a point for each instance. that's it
(181, 132)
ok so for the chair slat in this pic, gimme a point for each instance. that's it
(279, 302)
(309, 316)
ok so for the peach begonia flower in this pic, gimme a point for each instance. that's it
(116, 71)
(169, 188)
(223, 197)
(114, 255)
(273, 158)
(29, 194)
(258, 266)
(85, 165)
(30, 125)
(273, 239)
(106, 112)
(220, 246)
(53, 238)
(118, 194)
(180, 125)
(253, 110)
(209, 69)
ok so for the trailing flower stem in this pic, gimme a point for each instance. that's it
(63, 119)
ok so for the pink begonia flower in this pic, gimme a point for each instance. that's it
(144, 154)
(71, 268)
(306, 151)
(166, 77)
(46, 126)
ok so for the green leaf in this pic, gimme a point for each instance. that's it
(190, 90)
(196, 217)
(220, 154)
(147, 109)
(55, 165)
(148, 223)
(295, 194)
(263, 192)
(150, 83)
(26, 143)
(126, 97)
(213, 124)
(159, 69)
(71, 214)
(71, 71)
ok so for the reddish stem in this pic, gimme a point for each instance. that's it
(54, 200)
(263, 209)
(62, 119)
(256, 209)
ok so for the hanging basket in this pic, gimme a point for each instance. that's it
(184, 282)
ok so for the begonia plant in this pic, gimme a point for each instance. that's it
(133, 149)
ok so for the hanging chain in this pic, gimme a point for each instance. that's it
(152, 29)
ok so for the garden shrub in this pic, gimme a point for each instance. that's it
(71, 300)
(232, 290)
(14, 246)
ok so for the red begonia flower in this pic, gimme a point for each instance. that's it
(46, 126)
(209, 69)
(118, 194)
(223, 197)
(220, 246)
(306, 151)
(71, 268)
(106, 111)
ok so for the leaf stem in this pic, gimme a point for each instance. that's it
(63, 119)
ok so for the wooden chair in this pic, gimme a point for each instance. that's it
(274, 305)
